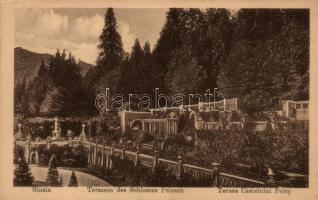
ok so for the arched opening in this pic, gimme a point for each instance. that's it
(136, 125)
(33, 157)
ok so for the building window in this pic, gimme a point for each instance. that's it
(305, 105)
(298, 106)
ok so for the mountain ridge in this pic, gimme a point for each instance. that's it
(27, 63)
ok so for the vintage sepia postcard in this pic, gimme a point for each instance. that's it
(158, 99)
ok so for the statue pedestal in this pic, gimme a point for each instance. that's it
(56, 135)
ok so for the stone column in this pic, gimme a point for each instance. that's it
(70, 142)
(112, 151)
(103, 157)
(137, 155)
(55, 124)
(107, 162)
(83, 132)
(36, 157)
(143, 126)
(95, 153)
(27, 149)
(89, 152)
(151, 127)
(48, 142)
(19, 129)
(155, 159)
(180, 167)
(172, 127)
(165, 126)
(124, 151)
(156, 127)
(55, 132)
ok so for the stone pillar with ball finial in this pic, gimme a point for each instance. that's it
(83, 132)
(18, 136)
(55, 133)
(180, 167)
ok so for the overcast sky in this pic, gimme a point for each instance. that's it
(44, 30)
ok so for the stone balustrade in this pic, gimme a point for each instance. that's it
(101, 156)
(230, 180)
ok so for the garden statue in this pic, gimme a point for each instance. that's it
(69, 134)
(18, 136)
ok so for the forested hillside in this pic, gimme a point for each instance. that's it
(260, 56)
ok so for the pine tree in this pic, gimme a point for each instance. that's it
(22, 174)
(111, 47)
(136, 72)
(149, 72)
(52, 178)
(67, 79)
(260, 24)
(73, 180)
(171, 39)
(185, 76)
(146, 49)
(111, 53)
(214, 43)
(137, 54)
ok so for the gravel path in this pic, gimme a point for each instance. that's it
(83, 179)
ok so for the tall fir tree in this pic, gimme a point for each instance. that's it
(147, 50)
(52, 178)
(22, 174)
(67, 81)
(171, 39)
(136, 60)
(184, 76)
(215, 43)
(111, 47)
(110, 58)
(73, 180)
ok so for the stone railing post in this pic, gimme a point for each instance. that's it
(137, 154)
(83, 135)
(89, 152)
(70, 142)
(19, 128)
(155, 159)
(112, 152)
(271, 177)
(95, 153)
(48, 142)
(27, 149)
(18, 136)
(37, 156)
(180, 167)
(124, 151)
(103, 155)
